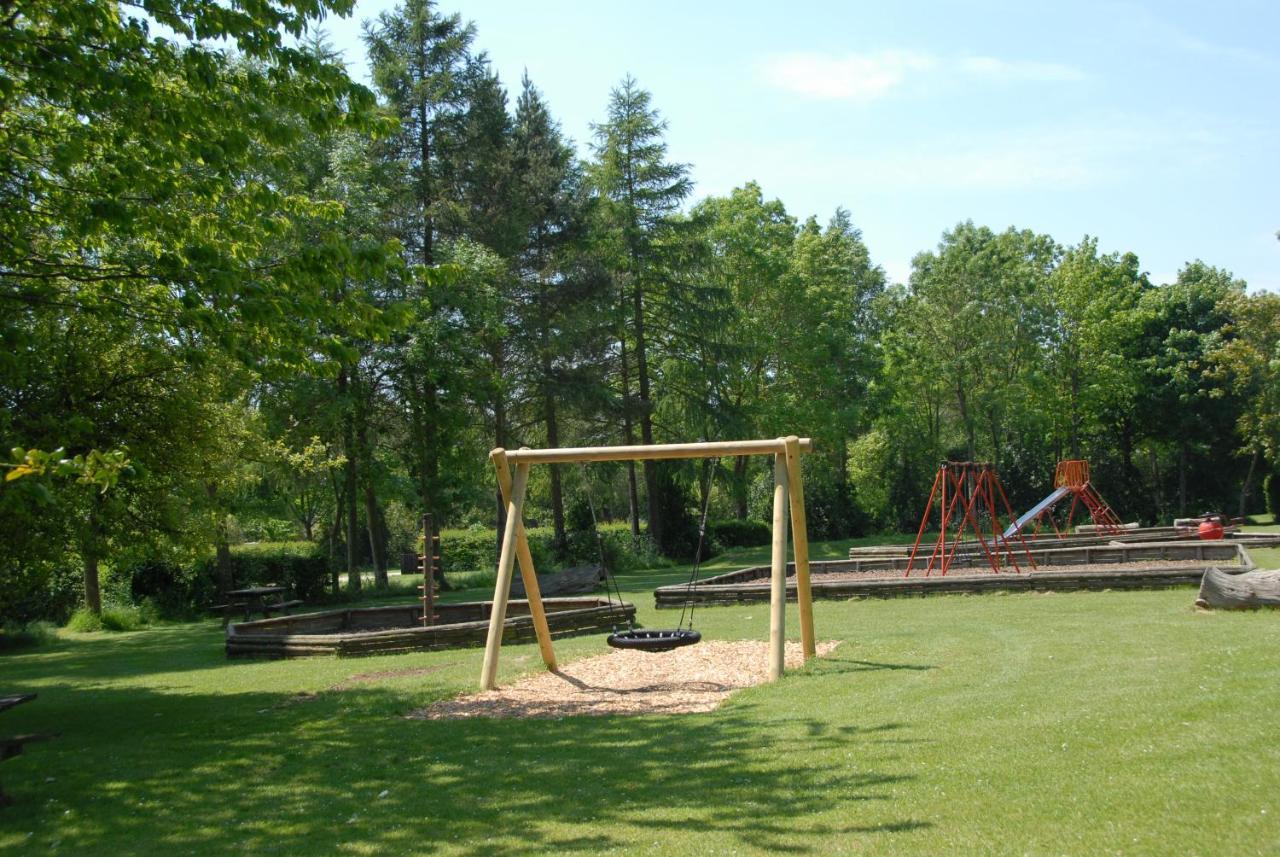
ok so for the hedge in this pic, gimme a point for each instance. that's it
(739, 534)
(475, 549)
(301, 566)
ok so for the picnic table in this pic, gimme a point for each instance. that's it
(256, 599)
(13, 745)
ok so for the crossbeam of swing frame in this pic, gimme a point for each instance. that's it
(788, 495)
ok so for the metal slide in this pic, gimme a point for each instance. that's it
(1035, 511)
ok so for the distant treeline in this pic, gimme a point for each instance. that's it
(247, 299)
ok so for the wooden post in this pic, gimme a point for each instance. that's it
(528, 574)
(778, 590)
(502, 588)
(800, 546)
(427, 565)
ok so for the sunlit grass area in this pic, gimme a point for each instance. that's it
(1114, 722)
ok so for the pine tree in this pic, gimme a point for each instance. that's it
(639, 191)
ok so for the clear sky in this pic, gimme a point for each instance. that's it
(1153, 126)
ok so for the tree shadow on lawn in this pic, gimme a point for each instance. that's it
(138, 771)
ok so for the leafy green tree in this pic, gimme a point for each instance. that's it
(1248, 358)
(1188, 409)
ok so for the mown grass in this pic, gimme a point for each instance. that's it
(1065, 724)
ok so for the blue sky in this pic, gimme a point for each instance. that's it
(1152, 126)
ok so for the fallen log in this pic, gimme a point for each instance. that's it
(1244, 591)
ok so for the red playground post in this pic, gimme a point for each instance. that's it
(970, 497)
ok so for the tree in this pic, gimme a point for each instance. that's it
(639, 190)
(1188, 408)
(1248, 359)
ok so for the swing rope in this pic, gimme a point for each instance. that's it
(641, 639)
(610, 582)
(689, 603)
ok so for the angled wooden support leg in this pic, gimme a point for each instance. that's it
(778, 576)
(502, 587)
(528, 574)
(800, 545)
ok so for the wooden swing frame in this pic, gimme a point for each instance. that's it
(788, 493)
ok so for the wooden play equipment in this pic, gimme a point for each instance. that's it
(969, 494)
(430, 567)
(788, 493)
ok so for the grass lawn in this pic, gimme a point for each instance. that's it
(1019, 724)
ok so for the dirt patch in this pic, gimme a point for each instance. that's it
(692, 679)
(364, 678)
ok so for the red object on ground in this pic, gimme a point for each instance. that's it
(969, 496)
(1210, 530)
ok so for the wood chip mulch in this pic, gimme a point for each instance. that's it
(692, 679)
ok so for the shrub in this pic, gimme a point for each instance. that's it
(738, 534)
(470, 556)
(121, 619)
(1271, 489)
(171, 589)
(84, 620)
(15, 635)
(302, 566)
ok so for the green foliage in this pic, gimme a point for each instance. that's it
(31, 635)
(738, 534)
(1271, 491)
(301, 566)
(122, 619)
(84, 621)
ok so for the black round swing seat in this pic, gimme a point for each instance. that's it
(654, 640)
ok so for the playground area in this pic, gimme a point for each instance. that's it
(932, 728)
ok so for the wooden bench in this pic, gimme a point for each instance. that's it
(227, 609)
(280, 607)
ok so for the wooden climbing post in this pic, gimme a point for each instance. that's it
(778, 576)
(427, 564)
(800, 547)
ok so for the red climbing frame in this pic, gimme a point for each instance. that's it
(970, 497)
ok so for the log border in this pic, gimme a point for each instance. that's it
(285, 637)
(745, 585)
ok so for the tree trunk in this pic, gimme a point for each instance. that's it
(553, 440)
(740, 486)
(373, 525)
(656, 524)
(1247, 488)
(499, 441)
(1182, 478)
(92, 592)
(349, 475)
(1239, 591)
(338, 504)
(629, 437)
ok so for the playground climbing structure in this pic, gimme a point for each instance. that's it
(1070, 478)
(970, 499)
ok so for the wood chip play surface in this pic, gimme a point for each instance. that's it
(695, 678)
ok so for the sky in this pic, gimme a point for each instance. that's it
(1151, 126)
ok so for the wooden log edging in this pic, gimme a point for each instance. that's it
(741, 587)
(1131, 537)
(272, 639)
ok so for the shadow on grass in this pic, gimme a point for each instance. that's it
(139, 770)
